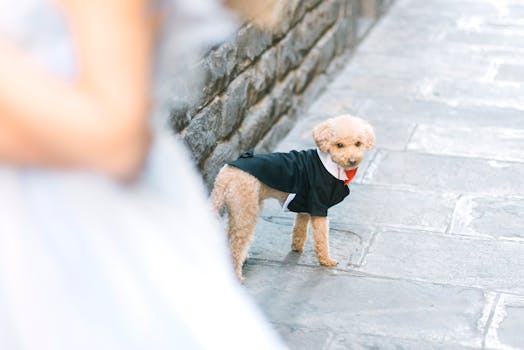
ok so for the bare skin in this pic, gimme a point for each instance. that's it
(96, 121)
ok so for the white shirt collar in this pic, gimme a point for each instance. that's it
(333, 168)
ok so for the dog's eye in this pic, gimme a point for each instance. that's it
(358, 143)
(340, 145)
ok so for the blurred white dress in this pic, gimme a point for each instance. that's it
(89, 263)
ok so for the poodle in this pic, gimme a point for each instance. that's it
(305, 182)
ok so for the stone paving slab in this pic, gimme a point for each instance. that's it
(447, 259)
(487, 38)
(508, 318)
(490, 217)
(477, 93)
(482, 142)
(444, 29)
(422, 65)
(366, 342)
(335, 102)
(379, 109)
(378, 86)
(453, 7)
(342, 303)
(510, 332)
(510, 72)
(297, 337)
(434, 45)
(370, 205)
(448, 90)
(446, 174)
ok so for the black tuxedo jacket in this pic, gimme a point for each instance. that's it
(299, 172)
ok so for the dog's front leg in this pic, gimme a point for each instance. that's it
(320, 240)
(299, 232)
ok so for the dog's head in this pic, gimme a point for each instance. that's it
(345, 138)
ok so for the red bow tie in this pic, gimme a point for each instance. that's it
(350, 174)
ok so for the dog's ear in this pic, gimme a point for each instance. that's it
(322, 133)
(370, 136)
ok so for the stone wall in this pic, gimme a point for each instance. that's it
(257, 83)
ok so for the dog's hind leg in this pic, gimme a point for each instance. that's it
(243, 205)
(320, 227)
(299, 232)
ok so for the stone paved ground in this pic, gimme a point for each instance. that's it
(430, 243)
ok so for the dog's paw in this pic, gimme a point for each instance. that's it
(328, 262)
(240, 276)
(297, 248)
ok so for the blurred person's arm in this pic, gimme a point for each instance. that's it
(264, 13)
(98, 121)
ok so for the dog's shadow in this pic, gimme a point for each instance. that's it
(292, 258)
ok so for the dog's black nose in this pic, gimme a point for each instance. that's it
(353, 162)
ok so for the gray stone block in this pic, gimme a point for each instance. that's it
(283, 94)
(307, 71)
(326, 47)
(289, 55)
(315, 23)
(369, 8)
(250, 43)
(310, 4)
(223, 152)
(343, 36)
(234, 106)
(337, 64)
(258, 121)
(262, 77)
(275, 135)
(312, 91)
(292, 12)
(179, 117)
(219, 66)
(201, 134)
